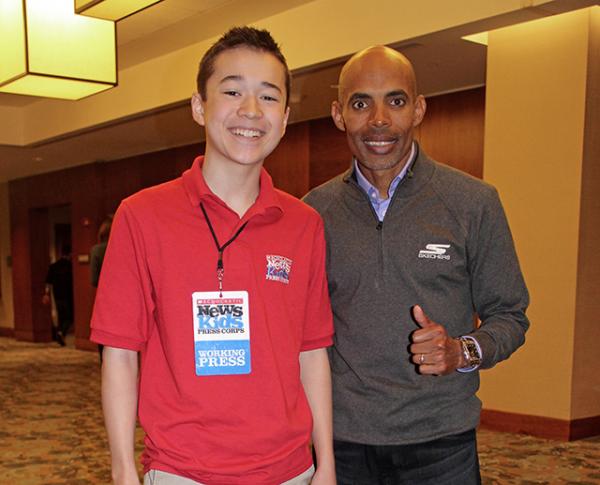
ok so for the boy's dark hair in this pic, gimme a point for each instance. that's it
(249, 37)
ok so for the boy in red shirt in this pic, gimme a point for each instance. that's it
(217, 280)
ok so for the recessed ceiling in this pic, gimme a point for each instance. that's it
(443, 63)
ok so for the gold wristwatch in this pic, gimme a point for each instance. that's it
(470, 352)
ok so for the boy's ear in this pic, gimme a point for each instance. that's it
(285, 120)
(197, 109)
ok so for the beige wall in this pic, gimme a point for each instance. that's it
(534, 134)
(6, 301)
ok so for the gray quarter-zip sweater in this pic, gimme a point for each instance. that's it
(444, 244)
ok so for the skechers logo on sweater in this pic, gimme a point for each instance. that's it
(278, 268)
(435, 251)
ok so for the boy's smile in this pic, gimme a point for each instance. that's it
(244, 112)
(247, 133)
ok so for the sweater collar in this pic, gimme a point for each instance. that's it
(418, 175)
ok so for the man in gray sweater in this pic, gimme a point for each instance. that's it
(416, 251)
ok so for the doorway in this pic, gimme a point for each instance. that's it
(51, 284)
(61, 272)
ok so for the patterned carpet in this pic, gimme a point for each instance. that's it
(51, 429)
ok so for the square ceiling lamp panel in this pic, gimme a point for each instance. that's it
(111, 9)
(47, 50)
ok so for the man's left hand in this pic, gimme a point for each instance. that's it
(433, 350)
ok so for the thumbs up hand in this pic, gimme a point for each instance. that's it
(432, 349)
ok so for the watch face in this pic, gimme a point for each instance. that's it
(472, 352)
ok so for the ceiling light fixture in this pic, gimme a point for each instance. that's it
(111, 9)
(480, 38)
(46, 50)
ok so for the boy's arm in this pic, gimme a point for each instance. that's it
(119, 402)
(316, 379)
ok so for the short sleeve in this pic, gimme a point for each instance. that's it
(318, 325)
(124, 306)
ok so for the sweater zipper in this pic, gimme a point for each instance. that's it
(379, 227)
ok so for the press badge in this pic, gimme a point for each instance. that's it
(221, 333)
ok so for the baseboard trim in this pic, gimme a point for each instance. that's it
(7, 332)
(542, 427)
(85, 344)
(585, 427)
(29, 336)
(24, 335)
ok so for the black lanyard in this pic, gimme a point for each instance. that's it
(220, 268)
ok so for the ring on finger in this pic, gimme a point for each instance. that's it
(422, 359)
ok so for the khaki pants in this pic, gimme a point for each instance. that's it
(157, 477)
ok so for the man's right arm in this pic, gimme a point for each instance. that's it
(119, 402)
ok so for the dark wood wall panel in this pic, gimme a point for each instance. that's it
(39, 230)
(86, 199)
(452, 131)
(181, 158)
(21, 261)
(311, 153)
(329, 152)
(288, 164)
(119, 180)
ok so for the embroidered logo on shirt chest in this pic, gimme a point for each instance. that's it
(278, 268)
(435, 251)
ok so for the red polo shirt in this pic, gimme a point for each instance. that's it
(232, 429)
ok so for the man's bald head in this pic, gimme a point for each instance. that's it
(378, 108)
(374, 60)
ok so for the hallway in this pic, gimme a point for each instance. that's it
(52, 431)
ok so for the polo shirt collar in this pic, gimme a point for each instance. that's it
(198, 191)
